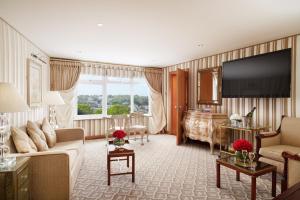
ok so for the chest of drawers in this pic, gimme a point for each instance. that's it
(15, 181)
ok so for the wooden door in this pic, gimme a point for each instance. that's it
(173, 88)
(182, 102)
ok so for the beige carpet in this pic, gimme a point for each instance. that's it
(163, 171)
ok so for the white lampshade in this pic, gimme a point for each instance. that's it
(11, 100)
(53, 98)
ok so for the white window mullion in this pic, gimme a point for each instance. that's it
(104, 100)
(131, 96)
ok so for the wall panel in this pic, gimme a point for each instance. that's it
(15, 49)
(269, 110)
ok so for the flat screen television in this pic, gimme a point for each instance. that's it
(265, 75)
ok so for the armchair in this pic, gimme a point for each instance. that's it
(271, 145)
(291, 169)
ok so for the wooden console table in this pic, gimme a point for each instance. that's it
(119, 153)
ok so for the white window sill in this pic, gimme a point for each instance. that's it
(86, 117)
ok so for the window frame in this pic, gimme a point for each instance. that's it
(104, 81)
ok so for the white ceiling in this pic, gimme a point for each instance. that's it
(149, 32)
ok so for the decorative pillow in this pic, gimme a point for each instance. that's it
(22, 141)
(49, 133)
(37, 135)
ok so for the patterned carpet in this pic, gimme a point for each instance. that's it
(163, 171)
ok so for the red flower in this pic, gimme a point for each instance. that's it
(242, 144)
(119, 134)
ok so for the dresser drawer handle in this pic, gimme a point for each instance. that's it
(24, 189)
(24, 176)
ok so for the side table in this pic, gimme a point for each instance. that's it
(122, 153)
(15, 180)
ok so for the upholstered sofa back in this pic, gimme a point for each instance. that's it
(290, 131)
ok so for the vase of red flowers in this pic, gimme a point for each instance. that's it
(119, 137)
(240, 145)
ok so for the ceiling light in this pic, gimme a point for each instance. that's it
(99, 25)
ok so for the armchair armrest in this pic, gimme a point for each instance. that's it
(291, 174)
(50, 175)
(266, 139)
(69, 134)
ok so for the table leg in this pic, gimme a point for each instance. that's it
(108, 170)
(127, 161)
(218, 175)
(237, 176)
(133, 168)
(274, 183)
(253, 188)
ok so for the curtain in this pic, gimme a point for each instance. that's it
(157, 121)
(63, 78)
(63, 74)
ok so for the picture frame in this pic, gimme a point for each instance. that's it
(34, 83)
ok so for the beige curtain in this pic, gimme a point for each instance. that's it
(63, 78)
(157, 120)
(63, 74)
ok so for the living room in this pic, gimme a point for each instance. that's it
(193, 99)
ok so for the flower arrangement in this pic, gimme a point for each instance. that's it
(119, 134)
(242, 144)
(119, 137)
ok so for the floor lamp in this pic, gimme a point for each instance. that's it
(53, 99)
(10, 101)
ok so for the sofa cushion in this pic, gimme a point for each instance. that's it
(275, 152)
(73, 149)
(279, 165)
(49, 133)
(37, 135)
(22, 141)
(75, 144)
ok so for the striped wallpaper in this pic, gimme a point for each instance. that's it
(15, 49)
(269, 110)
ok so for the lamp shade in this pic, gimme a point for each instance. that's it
(53, 98)
(11, 100)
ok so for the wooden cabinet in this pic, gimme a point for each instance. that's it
(204, 127)
(15, 181)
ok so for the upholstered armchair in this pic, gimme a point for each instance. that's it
(291, 169)
(271, 145)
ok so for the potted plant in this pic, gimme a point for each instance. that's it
(119, 137)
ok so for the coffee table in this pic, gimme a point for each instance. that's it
(260, 169)
(119, 153)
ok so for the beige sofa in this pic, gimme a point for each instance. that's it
(272, 145)
(54, 172)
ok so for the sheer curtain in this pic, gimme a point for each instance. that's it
(63, 78)
(158, 120)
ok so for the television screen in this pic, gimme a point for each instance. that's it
(265, 75)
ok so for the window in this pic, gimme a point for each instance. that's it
(97, 95)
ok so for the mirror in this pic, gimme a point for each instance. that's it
(209, 86)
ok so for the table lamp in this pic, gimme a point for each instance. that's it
(10, 101)
(53, 98)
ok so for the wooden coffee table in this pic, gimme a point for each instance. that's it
(116, 154)
(260, 169)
